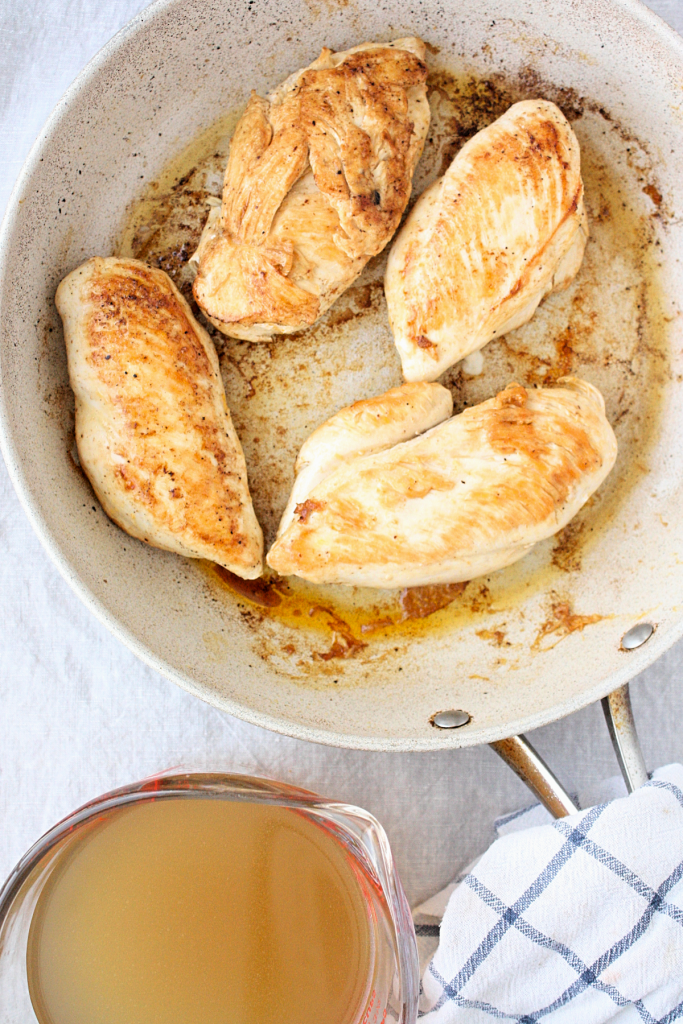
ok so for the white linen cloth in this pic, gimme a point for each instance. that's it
(577, 921)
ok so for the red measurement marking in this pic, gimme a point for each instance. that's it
(371, 1015)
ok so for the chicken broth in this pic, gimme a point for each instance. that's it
(200, 911)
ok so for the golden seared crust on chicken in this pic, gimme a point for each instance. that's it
(366, 426)
(153, 429)
(471, 495)
(318, 177)
(505, 226)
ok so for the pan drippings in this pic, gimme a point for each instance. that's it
(200, 911)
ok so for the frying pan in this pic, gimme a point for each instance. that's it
(511, 651)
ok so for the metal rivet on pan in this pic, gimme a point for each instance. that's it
(450, 719)
(636, 636)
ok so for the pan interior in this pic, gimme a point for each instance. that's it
(370, 667)
(279, 392)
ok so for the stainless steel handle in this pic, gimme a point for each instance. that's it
(519, 755)
(622, 729)
(525, 762)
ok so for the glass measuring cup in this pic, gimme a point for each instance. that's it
(390, 990)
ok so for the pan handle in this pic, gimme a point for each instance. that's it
(525, 762)
(622, 729)
(528, 764)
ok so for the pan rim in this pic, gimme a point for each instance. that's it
(634, 662)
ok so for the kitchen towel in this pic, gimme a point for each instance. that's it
(576, 921)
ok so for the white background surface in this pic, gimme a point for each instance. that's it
(80, 715)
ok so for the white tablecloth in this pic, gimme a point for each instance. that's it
(80, 715)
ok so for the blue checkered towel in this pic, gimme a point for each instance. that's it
(578, 921)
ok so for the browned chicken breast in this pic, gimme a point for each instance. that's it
(505, 226)
(318, 177)
(153, 429)
(470, 495)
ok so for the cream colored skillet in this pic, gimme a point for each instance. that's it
(517, 649)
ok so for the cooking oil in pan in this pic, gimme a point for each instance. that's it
(200, 911)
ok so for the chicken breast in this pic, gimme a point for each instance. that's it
(318, 177)
(367, 426)
(153, 429)
(470, 495)
(503, 228)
